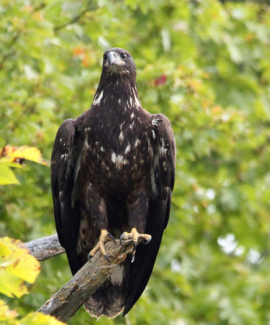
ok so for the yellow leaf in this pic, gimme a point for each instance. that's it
(6, 162)
(7, 316)
(40, 319)
(216, 110)
(11, 285)
(15, 154)
(16, 266)
(4, 250)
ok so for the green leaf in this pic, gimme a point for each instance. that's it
(6, 175)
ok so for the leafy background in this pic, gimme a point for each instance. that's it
(205, 64)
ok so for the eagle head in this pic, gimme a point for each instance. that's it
(117, 84)
(118, 61)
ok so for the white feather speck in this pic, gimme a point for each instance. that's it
(127, 148)
(98, 99)
(86, 145)
(118, 160)
(121, 136)
(137, 142)
(162, 149)
(155, 122)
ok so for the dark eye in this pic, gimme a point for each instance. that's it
(123, 56)
(105, 56)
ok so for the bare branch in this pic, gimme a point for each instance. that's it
(86, 281)
(90, 7)
(45, 247)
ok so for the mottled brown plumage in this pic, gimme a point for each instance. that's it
(113, 171)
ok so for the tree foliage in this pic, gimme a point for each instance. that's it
(17, 266)
(205, 64)
(8, 317)
(14, 157)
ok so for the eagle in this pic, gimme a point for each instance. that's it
(112, 176)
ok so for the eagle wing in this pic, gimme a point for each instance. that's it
(67, 216)
(163, 170)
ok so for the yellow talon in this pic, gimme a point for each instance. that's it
(135, 236)
(103, 238)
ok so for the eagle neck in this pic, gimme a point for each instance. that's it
(117, 94)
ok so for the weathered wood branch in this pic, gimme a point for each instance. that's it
(45, 247)
(85, 282)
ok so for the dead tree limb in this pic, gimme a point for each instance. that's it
(85, 282)
(45, 247)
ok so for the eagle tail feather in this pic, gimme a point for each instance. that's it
(109, 299)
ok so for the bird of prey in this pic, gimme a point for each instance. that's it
(112, 176)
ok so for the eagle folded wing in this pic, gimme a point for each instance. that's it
(163, 169)
(67, 218)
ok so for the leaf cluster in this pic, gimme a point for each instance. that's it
(204, 64)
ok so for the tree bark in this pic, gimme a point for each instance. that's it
(45, 247)
(85, 282)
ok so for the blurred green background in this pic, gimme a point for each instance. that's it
(205, 65)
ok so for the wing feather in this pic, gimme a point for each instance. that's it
(67, 218)
(159, 210)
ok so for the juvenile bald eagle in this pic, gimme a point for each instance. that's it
(112, 176)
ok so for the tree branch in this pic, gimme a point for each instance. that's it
(11, 52)
(90, 7)
(86, 281)
(45, 247)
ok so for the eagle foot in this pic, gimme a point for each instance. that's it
(103, 238)
(136, 239)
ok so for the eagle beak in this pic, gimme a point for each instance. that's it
(113, 59)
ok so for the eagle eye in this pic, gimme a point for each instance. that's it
(105, 56)
(123, 56)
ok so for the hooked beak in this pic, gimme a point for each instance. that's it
(113, 59)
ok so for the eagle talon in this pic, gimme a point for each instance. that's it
(136, 237)
(121, 238)
(133, 256)
(104, 237)
(147, 241)
(107, 258)
(89, 257)
(111, 236)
